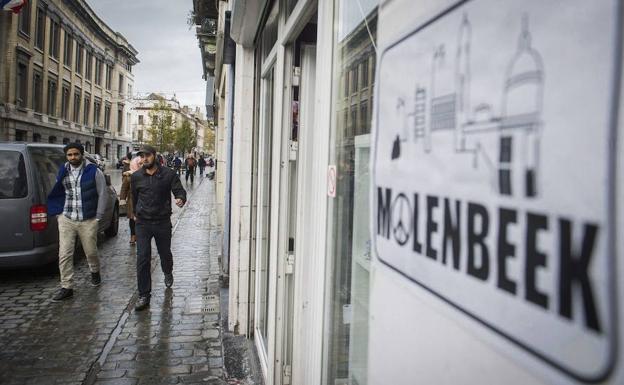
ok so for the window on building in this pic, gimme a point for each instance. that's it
(97, 111)
(140, 136)
(40, 28)
(98, 71)
(88, 146)
(37, 97)
(68, 49)
(120, 88)
(107, 116)
(141, 120)
(127, 123)
(78, 58)
(52, 139)
(346, 334)
(77, 101)
(119, 151)
(129, 95)
(120, 115)
(86, 109)
(364, 74)
(65, 101)
(65, 140)
(52, 91)
(21, 89)
(88, 65)
(109, 76)
(23, 19)
(36, 138)
(55, 39)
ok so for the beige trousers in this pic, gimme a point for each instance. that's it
(87, 231)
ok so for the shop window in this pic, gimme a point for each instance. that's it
(346, 355)
(269, 33)
(40, 28)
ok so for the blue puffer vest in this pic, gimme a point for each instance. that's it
(88, 190)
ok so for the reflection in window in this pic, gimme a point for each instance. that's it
(13, 183)
(347, 343)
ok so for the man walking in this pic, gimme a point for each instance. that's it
(152, 186)
(202, 165)
(79, 195)
(190, 164)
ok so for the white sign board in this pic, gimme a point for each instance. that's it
(493, 171)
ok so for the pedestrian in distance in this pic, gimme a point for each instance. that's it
(79, 199)
(152, 187)
(177, 165)
(125, 194)
(190, 165)
(202, 165)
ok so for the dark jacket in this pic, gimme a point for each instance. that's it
(93, 192)
(152, 193)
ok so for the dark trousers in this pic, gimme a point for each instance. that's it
(190, 172)
(161, 232)
(201, 170)
(132, 226)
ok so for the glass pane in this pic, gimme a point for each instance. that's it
(265, 209)
(47, 162)
(354, 52)
(13, 182)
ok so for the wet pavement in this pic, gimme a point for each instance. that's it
(97, 338)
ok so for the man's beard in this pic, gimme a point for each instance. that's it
(148, 165)
(76, 162)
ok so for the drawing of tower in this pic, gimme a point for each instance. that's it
(420, 111)
(443, 96)
(462, 82)
(519, 141)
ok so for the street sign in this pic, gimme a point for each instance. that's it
(493, 172)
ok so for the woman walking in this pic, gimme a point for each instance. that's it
(125, 193)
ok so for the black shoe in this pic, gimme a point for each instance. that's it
(63, 294)
(142, 303)
(169, 279)
(96, 279)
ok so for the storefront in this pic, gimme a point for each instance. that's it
(328, 157)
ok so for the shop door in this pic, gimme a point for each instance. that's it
(302, 107)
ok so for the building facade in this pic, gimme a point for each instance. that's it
(410, 192)
(65, 76)
(143, 111)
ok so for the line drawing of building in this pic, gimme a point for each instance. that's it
(513, 166)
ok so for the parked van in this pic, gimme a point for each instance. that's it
(28, 237)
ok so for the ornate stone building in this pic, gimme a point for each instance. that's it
(65, 76)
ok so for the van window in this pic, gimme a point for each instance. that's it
(13, 182)
(47, 162)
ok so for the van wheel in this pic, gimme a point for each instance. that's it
(113, 229)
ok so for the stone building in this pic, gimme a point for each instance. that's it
(141, 118)
(65, 76)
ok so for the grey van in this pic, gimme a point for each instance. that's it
(28, 237)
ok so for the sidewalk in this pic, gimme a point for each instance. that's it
(178, 339)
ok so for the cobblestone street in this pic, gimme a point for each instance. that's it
(97, 338)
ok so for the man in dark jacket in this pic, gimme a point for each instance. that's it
(79, 199)
(152, 186)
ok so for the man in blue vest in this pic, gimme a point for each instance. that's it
(79, 200)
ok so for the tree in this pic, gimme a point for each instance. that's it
(161, 132)
(209, 138)
(185, 137)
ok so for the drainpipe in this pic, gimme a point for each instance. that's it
(229, 54)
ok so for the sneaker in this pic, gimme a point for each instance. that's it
(63, 294)
(169, 279)
(96, 279)
(142, 303)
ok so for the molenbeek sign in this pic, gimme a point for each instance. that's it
(492, 173)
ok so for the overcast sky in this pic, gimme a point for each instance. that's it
(168, 49)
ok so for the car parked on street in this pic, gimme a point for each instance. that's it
(28, 237)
